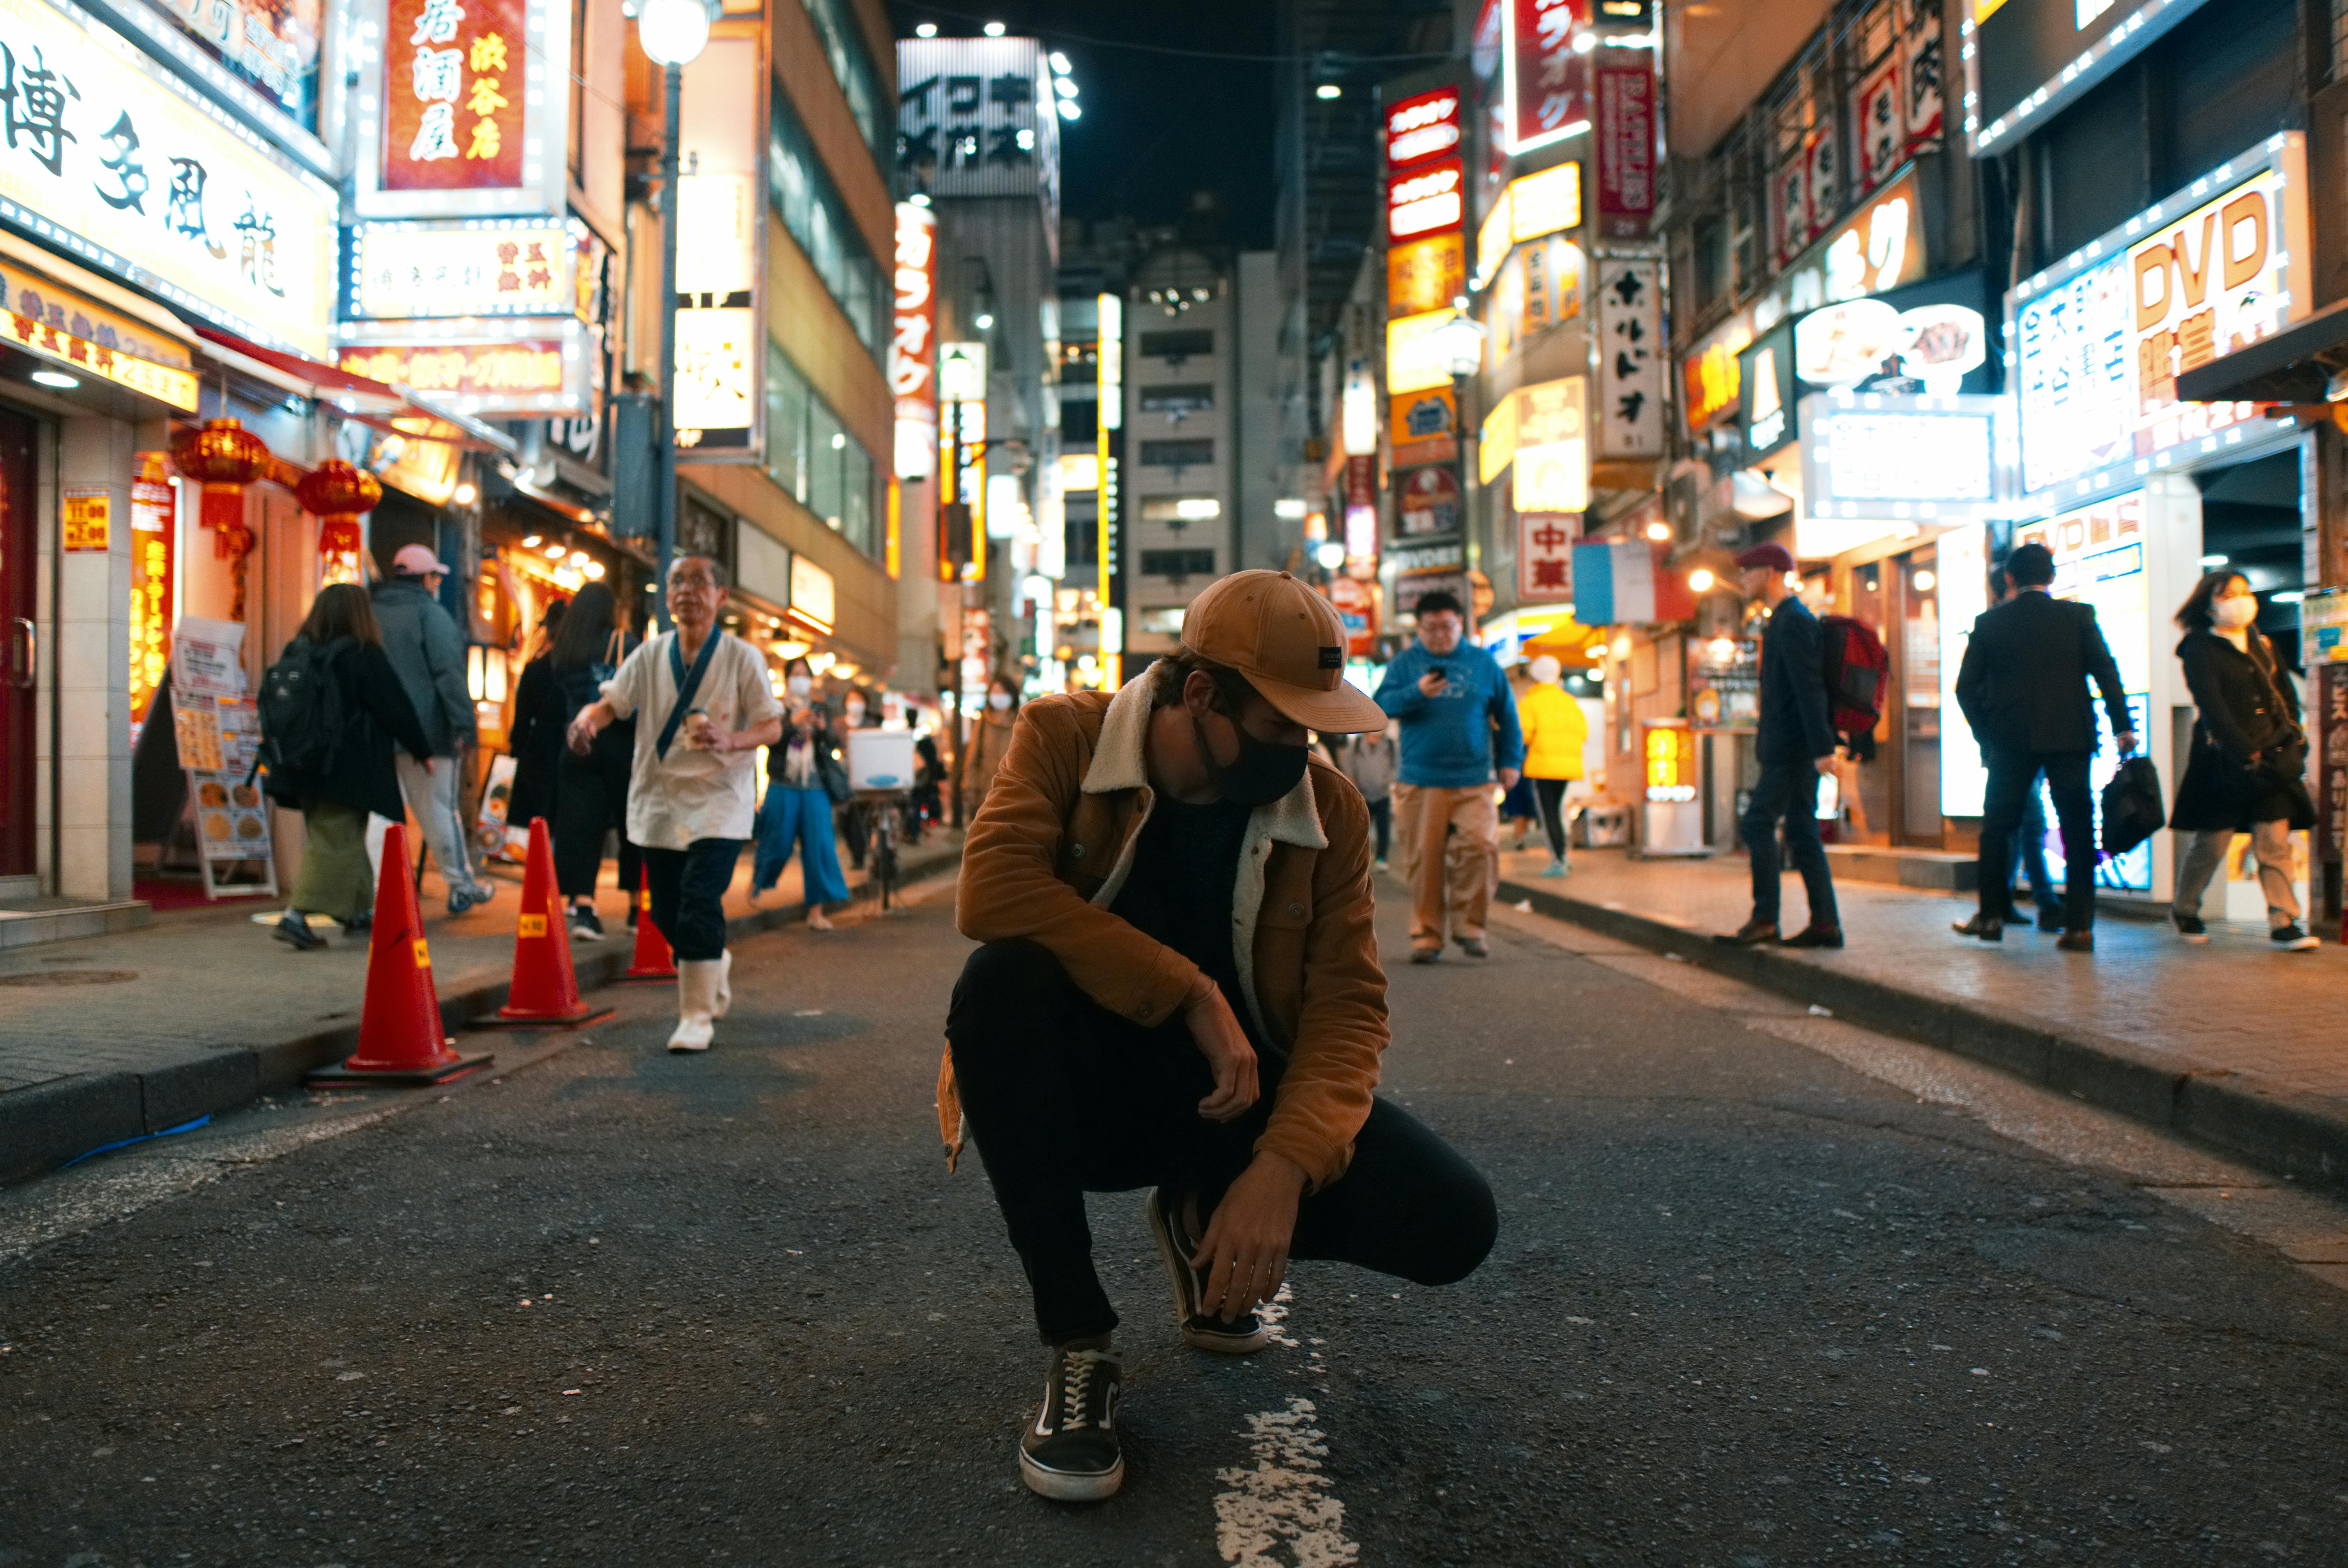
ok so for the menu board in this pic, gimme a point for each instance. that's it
(218, 728)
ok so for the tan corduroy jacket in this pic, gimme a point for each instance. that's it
(1051, 849)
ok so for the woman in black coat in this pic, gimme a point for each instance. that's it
(2246, 774)
(357, 777)
(537, 725)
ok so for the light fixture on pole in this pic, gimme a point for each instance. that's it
(1460, 340)
(673, 32)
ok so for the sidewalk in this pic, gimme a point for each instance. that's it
(113, 1037)
(2235, 1044)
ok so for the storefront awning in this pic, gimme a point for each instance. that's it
(371, 402)
(2295, 365)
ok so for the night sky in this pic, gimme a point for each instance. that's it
(1159, 123)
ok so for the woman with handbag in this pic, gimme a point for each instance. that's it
(2249, 759)
(804, 780)
(590, 792)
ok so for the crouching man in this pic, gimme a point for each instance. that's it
(1180, 989)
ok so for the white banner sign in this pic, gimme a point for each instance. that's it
(1630, 347)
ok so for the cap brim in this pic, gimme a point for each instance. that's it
(1344, 710)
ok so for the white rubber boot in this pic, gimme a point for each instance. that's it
(696, 1001)
(724, 985)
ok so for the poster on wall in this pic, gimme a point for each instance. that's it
(2098, 345)
(1629, 412)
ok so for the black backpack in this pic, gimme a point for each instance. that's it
(303, 712)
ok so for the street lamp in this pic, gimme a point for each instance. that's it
(673, 32)
(1460, 340)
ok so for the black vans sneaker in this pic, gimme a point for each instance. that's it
(2188, 926)
(586, 925)
(1071, 1452)
(2292, 938)
(1242, 1335)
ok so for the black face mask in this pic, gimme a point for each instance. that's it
(1263, 772)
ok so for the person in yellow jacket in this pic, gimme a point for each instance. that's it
(1554, 730)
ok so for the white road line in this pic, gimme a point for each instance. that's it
(1282, 1513)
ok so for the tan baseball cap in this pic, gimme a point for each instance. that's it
(1288, 642)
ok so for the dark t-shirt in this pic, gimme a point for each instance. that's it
(1179, 888)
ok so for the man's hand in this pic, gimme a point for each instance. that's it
(1508, 778)
(1432, 683)
(1225, 1046)
(580, 733)
(2126, 739)
(1245, 1249)
(1826, 765)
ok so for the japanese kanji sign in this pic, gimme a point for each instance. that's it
(109, 157)
(1547, 83)
(455, 75)
(271, 44)
(540, 376)
(458, 269)
(1630, 344)
(975, 117)
(1626, 151)
(1545, 543)
(913, 344)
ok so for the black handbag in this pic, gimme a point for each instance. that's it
(2131, 807)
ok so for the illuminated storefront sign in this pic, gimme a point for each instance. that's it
(1546, 202)
(1626, 151)
(812, 594)
(1422, 127)
(1546, 85)
(2098, 345)
(974, 118)
(111, 157)
(1416, 357)
(541, 370)
(463, 268)
(1540, 287)
(1552, 450)
(912, 343)
(1545, 544)
(1671, 773)
(1428, 200)
(27, 325)
(1894, 460)
(468, 109)
(1427, 274)
(717, 349)
(2026, 60)
(154, 524)
(1109, 375)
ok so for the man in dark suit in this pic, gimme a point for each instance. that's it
(2023, 689)
(1796, 747)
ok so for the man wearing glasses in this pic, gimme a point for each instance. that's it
(708, 710)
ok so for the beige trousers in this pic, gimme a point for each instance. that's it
(1448, 845)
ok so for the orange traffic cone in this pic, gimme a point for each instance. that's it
(400, 1038)
(545, 990)
(655, 963)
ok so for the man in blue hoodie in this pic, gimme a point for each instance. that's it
(1458, 717)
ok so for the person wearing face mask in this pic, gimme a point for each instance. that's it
(803, 777)
(989, 742)
(857, 712)
(1178, 988)
(2247, 772)
(2023, 685)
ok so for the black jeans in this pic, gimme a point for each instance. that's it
(590, 796)
(1551, 794)
(1790, 790)
(2012, 775)
(689, 894)
(1067, 1098)
(1382, 818)
(2029, 853)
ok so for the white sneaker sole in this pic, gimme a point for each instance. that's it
(1178, 1273)
(1065, 1486)
(2304, 945)
(691, 1036)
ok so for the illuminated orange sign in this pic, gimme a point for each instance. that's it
(1671, 764)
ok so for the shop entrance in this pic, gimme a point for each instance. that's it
(19, 577)
(1899, 596)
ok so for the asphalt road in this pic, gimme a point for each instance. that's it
(1767, 1291)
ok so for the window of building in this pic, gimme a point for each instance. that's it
(1178, 511)
(1163, 620)
(1079, 422)
(1178, 563)
(812, 455)
(852, 64)
(1176, 346)
(805, 199)
(1177, 454)
(1178, 398)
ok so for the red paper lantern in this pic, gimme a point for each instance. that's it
(224, 457)
(338, 494)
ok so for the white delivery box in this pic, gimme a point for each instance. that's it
(881, 759)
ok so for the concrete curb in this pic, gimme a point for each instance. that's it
(44, 1126)
(2300, 1137)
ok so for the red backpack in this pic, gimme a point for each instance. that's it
(1857, 669)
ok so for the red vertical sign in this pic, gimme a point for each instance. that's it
(1550, 83)
(1626, 151)
(912, 348)
(456, 77)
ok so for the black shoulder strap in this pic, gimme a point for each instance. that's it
(688, 682)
